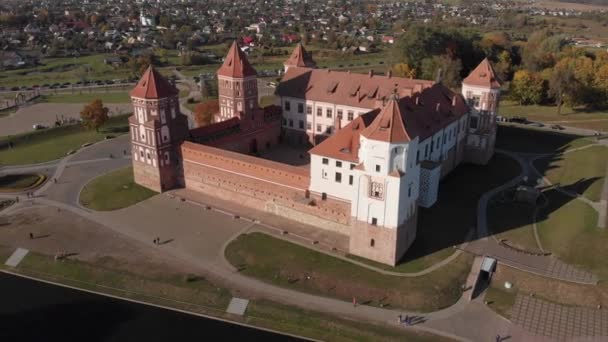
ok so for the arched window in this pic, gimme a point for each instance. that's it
(372, 243)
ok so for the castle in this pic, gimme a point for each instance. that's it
(380, 145)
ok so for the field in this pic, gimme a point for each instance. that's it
(575, 117)
(54, 143)
(114, 190)
(282, 263)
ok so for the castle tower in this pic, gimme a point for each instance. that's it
(384, 204)
(157, 129)
(481, 89)
(237, 86)
(299, 58)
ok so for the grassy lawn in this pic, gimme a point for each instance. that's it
(86, 97)
(19, 182)
(114, 190)
(284, 264)
(54, 143)
(513, 222)
(197, 294)
(500, 299)
(548, 113)
(581, 171)
(65, 69)
(569, 230)
(531, 140)
(266, 101)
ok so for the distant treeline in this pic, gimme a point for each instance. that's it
(589, 2)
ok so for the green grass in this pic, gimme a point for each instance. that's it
(284, 264)
(60, 70)
(266, 101)
(531, 140)
(85, 97)
(114, 190)
(202, 296)
(513, 222)
(569, 230)
(587, 166)
(18, 182)
(54, 143)
(500, 299)
(576, 117)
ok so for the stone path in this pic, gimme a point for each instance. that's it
(546, 266)
(559, 322)
(16, 257)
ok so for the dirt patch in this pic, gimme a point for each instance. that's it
(61, 231)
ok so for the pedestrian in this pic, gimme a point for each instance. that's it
(497, 338)
(400, 319)
(154, 241)
(31, 236)
(407, 320)
(354, 302)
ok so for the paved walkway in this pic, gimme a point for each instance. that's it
(547, 266)
(559, 322)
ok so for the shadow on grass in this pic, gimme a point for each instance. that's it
(454, 215)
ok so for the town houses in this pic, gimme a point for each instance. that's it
(377, 145)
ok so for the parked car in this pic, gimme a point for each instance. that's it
(38, 126)
(519, 119)
(536, 124)
(15, 88)
(557, 127)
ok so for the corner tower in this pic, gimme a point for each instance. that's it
(384, 207)
(157, 129)
(299, 58)
(481, 90)
(237, 86)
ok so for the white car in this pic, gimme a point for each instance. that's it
(38, 126)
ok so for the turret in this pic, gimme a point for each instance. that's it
(299, 58)
(481, 89)
(157, 130)
(237, 86)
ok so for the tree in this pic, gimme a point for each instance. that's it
(562, 84)
(527, 87)
(503, 67)
(94, 115)
(203, 113)
(404, 70)
(450, 70)
(601, 83)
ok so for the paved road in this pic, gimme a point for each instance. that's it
(37, 311)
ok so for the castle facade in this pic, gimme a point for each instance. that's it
(379, 145)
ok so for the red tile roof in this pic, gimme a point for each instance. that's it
(388, 126)
(346, 88)
(483, 76)
(421, 115)
(300, 58)
(236, 64)
(344, 144)
(153, 85)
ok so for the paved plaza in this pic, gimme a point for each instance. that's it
(559, 322)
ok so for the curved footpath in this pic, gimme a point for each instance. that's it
(454, 322)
